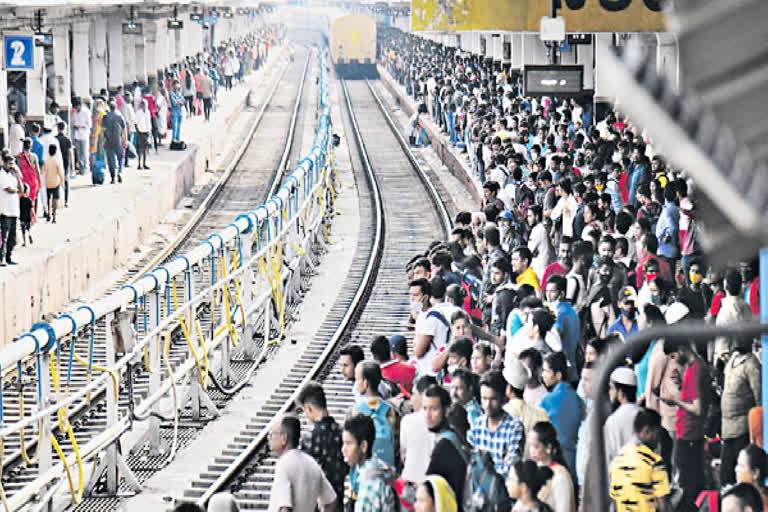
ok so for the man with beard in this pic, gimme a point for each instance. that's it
(449, 456)
(503, 300)
(348, 359)
(496, 431)
(562, 405)
(618, 430)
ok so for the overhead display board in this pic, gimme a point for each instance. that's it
(553, 80)
(525, 15)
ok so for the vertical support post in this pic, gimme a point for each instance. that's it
(155, 446)
(46, 450)
(111, 455)
(764, 339)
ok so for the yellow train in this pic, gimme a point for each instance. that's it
(353, 45)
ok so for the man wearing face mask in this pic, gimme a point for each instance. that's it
(695, 295)
(626, 324)
(506, 230)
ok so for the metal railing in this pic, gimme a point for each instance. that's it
(258, 266)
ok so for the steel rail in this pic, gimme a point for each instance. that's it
(358, 302)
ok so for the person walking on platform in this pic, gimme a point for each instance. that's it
(67, 157)
(54, 178)
(299, 483)
(206, 88)
(113, 127)
(177, 104)
(143, 130)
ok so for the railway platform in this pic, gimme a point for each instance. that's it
(104, 226)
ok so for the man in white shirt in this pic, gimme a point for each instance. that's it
(566, 207)
(432, 327)
(300, 483)
(9, 210)
(16, 134)
(81, 124)
(416, 441)
(619, 427)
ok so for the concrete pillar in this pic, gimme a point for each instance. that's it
(668, 58)
(79, 67)
(516, 50)
(62, 85)
(115, 46)
(98, 53)
(586, 57)
(603, 44)
(178, 45)
(128, 43)
(496, 46)
(36, 81)
(533, 50)
(140, 56)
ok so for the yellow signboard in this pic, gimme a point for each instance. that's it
(525, 15)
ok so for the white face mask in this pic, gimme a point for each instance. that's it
(467, 251)
(452, 368)
(416, 307)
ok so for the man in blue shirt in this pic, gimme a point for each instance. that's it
(177, 104)
(37, 146)
(567, 324)
(563, 406)
(496, 432)
(638, 172)
(626, 324)
(667, 228)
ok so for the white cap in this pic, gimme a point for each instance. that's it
(517, 374)
(625, 376)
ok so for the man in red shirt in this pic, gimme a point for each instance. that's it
(692, 404)
(392, 369)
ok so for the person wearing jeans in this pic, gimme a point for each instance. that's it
(82, 122)
(177, 104)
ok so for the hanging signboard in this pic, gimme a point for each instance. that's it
(525, 15)
(19, 52)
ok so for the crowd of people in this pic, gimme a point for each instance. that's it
(585, 237)
(106, 131)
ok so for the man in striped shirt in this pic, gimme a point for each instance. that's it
(639, 480)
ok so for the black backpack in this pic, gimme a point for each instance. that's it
(112, 129)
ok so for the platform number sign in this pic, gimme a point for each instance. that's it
(19, 52)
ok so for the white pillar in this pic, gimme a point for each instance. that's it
(533, 50)
(516, 50)
(668, 58)
(178, 42)
(62, 88)
(79, 67)
(140, 56)
(115, 45)
(586, 55)
(98, 52)
(36, 81)
(129, 57)
(603, 45)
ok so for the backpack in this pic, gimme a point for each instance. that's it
(384, 443)
(489, 491)
(442, 319)
(469, 484)
(112, 130)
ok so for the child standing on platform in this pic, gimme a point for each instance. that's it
(25, 215)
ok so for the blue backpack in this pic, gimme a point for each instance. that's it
(97, 171)
(384, 443)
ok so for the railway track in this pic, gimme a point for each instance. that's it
(401, 213)
(255, 173)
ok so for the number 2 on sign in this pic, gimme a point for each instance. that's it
(18, 49)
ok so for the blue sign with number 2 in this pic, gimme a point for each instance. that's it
(19, 52)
